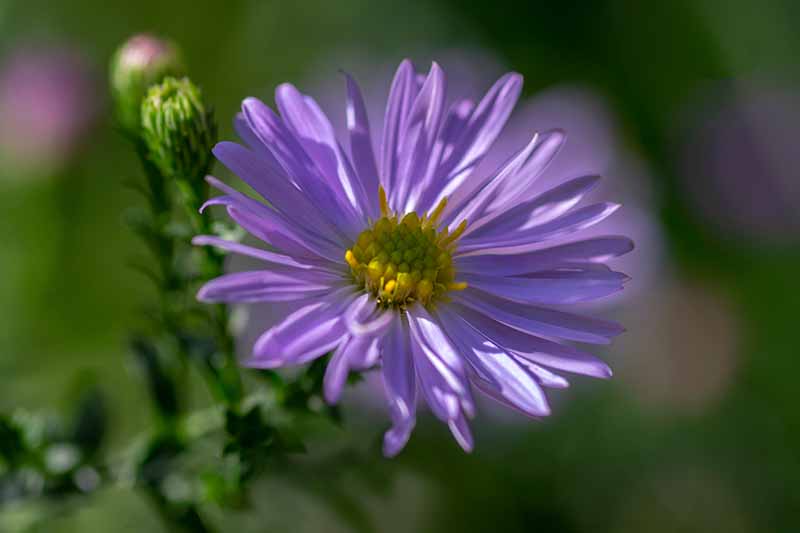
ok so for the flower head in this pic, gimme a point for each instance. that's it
(411, 261)
(178, 129)
(141, 62)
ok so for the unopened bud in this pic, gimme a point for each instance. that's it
(140, 63)
(178, 130)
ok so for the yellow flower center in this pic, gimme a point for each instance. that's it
(404, 260)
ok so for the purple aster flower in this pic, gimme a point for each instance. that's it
(409, 259)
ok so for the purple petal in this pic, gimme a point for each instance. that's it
(460, 430)
(316, 135)
(543, 208)
(354, 353)
(361, 150)
(274, 185)
(538, 350)
(285, 147)
(436, 346)
(306, 334)
(401, 96)
(418, 158)
(363, 317)
(439, 367)
(263, 255)
(479, 195)
(520, 188)
(251, 139)
(400, 386)
(596, 250)
(272, 227)
(567, 224)
(500, 374)
(544, 376)
(267, 286)
(336, 373)
(292, 240)
(550, 286)
(539, 320)
(467, 145)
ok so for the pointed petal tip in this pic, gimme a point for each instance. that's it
(206, 205)
(511, 82)
(331, 393)
(251, 101)
(405, 66)
(202, 295)
(349, 79)
(255, 362)
(219, 150)
(628, 245)
(390, 450)
(287, 90)
(252, 106)
(588, 182)
(616, 332)
(462, 434)
(395, 440)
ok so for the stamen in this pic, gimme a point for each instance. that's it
(456, 234)
(457, 285)
(434, 218)
(383, 202)
(350, 257)
(401, 260)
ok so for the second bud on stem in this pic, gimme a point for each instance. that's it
(178, 130)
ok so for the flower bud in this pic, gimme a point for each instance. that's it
(141, 62)
(177, 129)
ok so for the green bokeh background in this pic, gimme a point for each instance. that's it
(604, 462)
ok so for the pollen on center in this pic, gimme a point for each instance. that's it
(403, 260)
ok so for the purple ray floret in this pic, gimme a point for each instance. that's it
(405, 258)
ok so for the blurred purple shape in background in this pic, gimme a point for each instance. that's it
(740, 163)
(49, 98)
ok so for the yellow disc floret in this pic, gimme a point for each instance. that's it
(401, 260)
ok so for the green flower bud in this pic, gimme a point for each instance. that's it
(141, 62)
(178, 130)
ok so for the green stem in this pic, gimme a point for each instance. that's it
(212, 265)
(179, 518)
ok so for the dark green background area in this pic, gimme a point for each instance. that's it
(603, 462)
